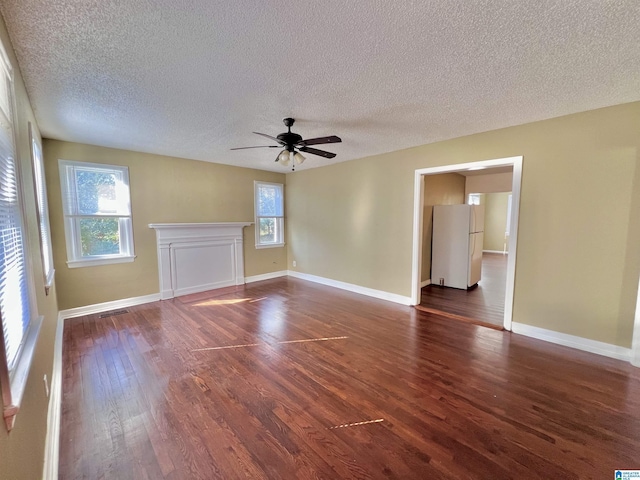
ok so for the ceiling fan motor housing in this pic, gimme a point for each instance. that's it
(289, 139)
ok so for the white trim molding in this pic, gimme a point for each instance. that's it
(265, 276)
(580, 343)
(501, 252)
(370, 292)
(635, 343)
(106, 306)
(425, 283)
(52, 442)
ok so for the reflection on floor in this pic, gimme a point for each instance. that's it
(484, 303)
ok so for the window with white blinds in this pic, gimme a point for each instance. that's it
(42, 207)
(14, 298)
(19, 325)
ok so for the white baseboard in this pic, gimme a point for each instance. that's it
(265, 276)
(495, 251)
(585, 344)
(52, 442)
(106, 306)
(425, 283)
(370, 292)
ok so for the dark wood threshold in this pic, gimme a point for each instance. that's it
(461, 318)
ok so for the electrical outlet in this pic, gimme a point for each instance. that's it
(294, 263)
(46, 386)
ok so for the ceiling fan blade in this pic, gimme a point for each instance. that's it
(258, 146)
(319, 140)
(315, 151)
(271, 138)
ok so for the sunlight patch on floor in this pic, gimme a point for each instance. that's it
(356, 424)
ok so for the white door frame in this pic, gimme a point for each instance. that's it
(635, 343)
(418, 200)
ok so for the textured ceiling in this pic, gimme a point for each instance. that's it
(193, 78)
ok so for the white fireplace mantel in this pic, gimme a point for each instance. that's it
(194, 257)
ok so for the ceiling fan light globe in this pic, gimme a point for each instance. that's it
(299, 158)
(284, 158)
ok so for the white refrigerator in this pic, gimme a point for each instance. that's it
(456, 249)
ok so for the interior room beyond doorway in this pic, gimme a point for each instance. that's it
(491, 301)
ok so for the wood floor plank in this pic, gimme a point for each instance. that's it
(483, 305)
(141, 399)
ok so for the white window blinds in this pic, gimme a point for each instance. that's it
(14, 297)
(42, 207)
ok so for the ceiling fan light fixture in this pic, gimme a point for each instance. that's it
(299, 158)
(290, 142)
(284, 158)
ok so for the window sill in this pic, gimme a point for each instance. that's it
(100, 261)
(272, 245)
(18, 381)
(48, 281)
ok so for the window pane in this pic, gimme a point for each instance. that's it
(268, 230)
(14, 300)
(43, 209)
(96, 192)
(99, 236)
(270, 200)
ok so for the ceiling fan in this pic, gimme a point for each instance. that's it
(293, 142)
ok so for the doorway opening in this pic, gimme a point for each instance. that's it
(511, 237)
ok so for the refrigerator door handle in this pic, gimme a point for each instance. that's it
(473, 212)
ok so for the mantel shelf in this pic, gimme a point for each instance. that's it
(160, 226)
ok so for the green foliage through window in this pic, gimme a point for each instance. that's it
(99, 236)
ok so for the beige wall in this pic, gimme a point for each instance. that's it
(579, 217)
(163, 190)
(22, 450)
(495, 220)
(489, 183)
(444, 189)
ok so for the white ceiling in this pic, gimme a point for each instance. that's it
(193, 78)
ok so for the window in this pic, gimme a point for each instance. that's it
(97, 213)
(474, 199)
(269, 206)
(20, 327)
(42, 208)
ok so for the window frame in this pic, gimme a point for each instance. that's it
(72, 217)
(474, 199)
(13, 381)
(279, 219)
(42, 207)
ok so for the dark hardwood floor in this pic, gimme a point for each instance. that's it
(484, 302)
(294, 380)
